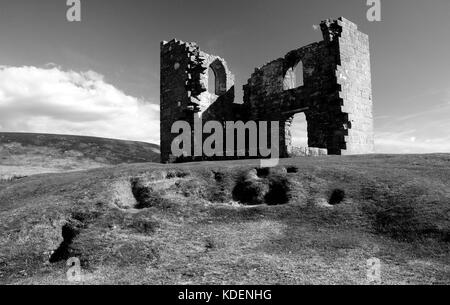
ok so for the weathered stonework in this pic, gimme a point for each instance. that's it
(336, 94)
(184, 94)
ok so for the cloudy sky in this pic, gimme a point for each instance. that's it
(100, 76)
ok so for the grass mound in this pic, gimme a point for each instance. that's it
(180, 224)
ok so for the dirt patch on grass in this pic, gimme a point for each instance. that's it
(336, 197)
(146, 195)
(291, 169)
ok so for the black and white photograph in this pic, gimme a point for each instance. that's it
(240, 144)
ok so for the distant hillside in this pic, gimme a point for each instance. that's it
(23, 154)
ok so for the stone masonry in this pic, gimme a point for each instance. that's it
(336, 94)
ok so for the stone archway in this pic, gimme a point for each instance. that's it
(220, 78)
(296, 134)
(294, 77)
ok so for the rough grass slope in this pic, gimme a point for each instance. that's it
(307, 221)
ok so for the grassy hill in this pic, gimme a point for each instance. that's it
(23, 154)
(307, 221)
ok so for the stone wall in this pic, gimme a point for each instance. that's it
(336, 94)
(354, 77)
(184, 89)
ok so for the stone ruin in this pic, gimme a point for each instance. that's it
(336, 94)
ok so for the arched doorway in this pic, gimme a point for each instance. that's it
(214, 79)
(293, 77)
(217, 78)
(211, 81)
(296, 134)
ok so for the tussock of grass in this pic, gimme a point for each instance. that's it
(279, 190)
(251, 192)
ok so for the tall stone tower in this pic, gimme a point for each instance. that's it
(354, 78)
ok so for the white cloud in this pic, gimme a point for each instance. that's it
(426, 131)
(398, 144)
(50, 100)
(299, 131)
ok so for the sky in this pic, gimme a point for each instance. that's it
(100, 76)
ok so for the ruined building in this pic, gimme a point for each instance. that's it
(336, 94)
